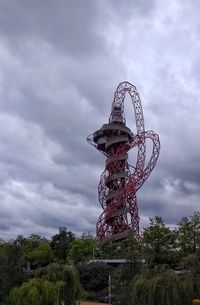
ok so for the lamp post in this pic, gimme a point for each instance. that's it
(109, 289)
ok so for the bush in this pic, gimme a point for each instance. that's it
(94, 276)
(161, 289)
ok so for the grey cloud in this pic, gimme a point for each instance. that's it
(68, 24)
(60, 64)
(63, 209)
(132, 8)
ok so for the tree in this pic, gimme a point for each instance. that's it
(35, 250)
(11, 268)
(189, 234)
(192, 264)
(82, 248)
(61, 243)
(140, 291)
(37, 292)
(109, 248)
(94, 276)
(163, 288)
(71, 290)
(159, 242)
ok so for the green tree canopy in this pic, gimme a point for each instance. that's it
(82, 248)
(61, 243)
(189, 234)
(94, 276)
(71, 290)
(37, 292)
(163, 288)
(159, 242)
(192, 264)
(11, 267)
(35, 249)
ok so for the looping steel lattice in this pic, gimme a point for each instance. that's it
(119, 182)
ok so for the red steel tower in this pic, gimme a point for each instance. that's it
(120, 181)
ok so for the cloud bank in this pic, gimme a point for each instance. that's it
(60, 63)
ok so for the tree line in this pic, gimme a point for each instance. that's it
(38, 271)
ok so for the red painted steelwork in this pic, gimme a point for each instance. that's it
(119, 182)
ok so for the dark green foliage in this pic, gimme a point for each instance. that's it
(140, 291)
(52, 285)
(130, 269)
(71, 290)
(61, 244)
(189, 234)
(129, 248)
(37, 292)
(161, 289)
(35, 250)
(11, 268)
(82, 248)
(159, 243)
(166, 289)
(186, 290)
(134, 253)
(109, 248)
(94, 276)
(192, 263)
(146, 274)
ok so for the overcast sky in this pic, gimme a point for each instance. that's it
(60, 63)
